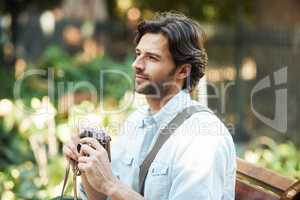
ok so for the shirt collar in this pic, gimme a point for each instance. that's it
(176, 104)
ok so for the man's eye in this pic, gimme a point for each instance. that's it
(153, 58)
(137, 54)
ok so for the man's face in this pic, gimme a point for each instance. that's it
(154, 67)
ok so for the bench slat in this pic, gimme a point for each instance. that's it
(263, 176)
(246, 191)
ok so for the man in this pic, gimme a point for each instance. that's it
(197, 161)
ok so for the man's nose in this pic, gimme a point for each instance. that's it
(138, 64)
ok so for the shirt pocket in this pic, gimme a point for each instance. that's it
(157, 184)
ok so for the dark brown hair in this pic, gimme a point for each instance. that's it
(186, 42)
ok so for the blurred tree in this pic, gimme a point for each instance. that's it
(15, 7)
(205, 10)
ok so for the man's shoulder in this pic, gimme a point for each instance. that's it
(203, 139)
(203, 131)
(206, 122)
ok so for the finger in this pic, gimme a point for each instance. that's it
(83, 167)
(87, 150)
(92, 141)
(83, 159)
(69, 153)
(73, 149)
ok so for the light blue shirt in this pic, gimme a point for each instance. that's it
(197, 162)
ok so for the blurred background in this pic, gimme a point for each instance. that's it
(51, 53)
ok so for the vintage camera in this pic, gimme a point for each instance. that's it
(100, 136)
(103, 139)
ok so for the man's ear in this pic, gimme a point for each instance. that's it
(183, 71)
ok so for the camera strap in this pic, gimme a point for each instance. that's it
(76, 173)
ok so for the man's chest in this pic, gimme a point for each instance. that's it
(158, 180)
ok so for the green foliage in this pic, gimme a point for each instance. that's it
(19, 180)
(14, 149)
(23, 181)
(24, 130)
(283, 158)
(67, 68)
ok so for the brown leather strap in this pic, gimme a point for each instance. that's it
(65, 181)
(163, 137)
(75, 186)
(76, 173)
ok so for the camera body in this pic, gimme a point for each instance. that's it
(100, 136)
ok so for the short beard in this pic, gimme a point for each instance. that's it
(150, 88)
(156, 89)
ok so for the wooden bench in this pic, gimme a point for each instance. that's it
(256, 183)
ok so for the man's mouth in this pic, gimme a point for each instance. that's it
(140, 77)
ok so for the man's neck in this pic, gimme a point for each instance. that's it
(157, 102)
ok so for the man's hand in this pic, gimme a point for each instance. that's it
(94, 163)
(70, 148)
